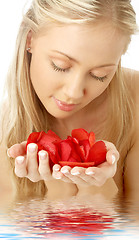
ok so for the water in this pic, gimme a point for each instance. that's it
(85, 218)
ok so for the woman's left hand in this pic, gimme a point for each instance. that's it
(96, 176)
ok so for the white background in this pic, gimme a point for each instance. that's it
(10, 18)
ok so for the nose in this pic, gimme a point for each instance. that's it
(74, 88)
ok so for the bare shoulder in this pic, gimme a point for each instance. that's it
(131, 176)
(132, 80)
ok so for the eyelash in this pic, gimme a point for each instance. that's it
(58, 69)
(101, 79)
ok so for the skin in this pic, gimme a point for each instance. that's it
(87, 55)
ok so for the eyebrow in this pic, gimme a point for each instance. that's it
(74, 60)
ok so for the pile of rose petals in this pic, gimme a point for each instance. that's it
(79, 149)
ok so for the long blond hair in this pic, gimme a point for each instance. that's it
(25, 113)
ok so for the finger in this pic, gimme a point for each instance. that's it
(75, 176)
(102, 173)
(58, 174)
(112, 155)
(44, 167)
(20, 166)
(83, 178)
(32, 164)
(108, 170)
(90, 180)
(56, 168)
(89, 177)
(66, 170)
(16, 150)
(98, 176)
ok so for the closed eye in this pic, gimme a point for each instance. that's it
(101, 79)
(58, 69)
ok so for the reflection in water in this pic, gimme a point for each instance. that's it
(71, 219)
(74, 221)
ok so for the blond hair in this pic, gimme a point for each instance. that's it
(25, 113)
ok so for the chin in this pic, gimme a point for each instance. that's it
(59, 113)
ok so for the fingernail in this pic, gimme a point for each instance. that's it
(64, 171)
(32, 147)
(113, 159)
(20, 159)
(90, 173)
(8, 152)
(56, 168)
(75, 173)
(42, 155)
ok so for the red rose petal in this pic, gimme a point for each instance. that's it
(42, 133)
(76, 153)
(79, 134)
(77, 148)
(33, 137)
(97, 153)
(74, 140)
(53, 135)
(83, 151)
(46, 141)
(75, 156)
(72, 159)
(92, 138)
(53, 158)
(65, 150)
(76, 164)
(86, 146)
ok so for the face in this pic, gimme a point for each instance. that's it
(72, 65)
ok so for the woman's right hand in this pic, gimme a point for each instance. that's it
(26, 164)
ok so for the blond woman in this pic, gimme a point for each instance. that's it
(66, 73)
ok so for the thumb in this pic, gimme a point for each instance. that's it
(17, 149)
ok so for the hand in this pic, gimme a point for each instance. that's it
(26, 164)
(96, 176)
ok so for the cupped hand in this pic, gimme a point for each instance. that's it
(96, 176)
(26, 164)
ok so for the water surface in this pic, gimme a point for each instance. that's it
(85, 218)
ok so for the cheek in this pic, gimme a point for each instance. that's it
(42, 78)
(96, 89)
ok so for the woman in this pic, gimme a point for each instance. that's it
(66, 74)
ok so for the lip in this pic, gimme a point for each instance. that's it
(64, 106)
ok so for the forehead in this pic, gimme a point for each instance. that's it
(97, 39)
(95, 28)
